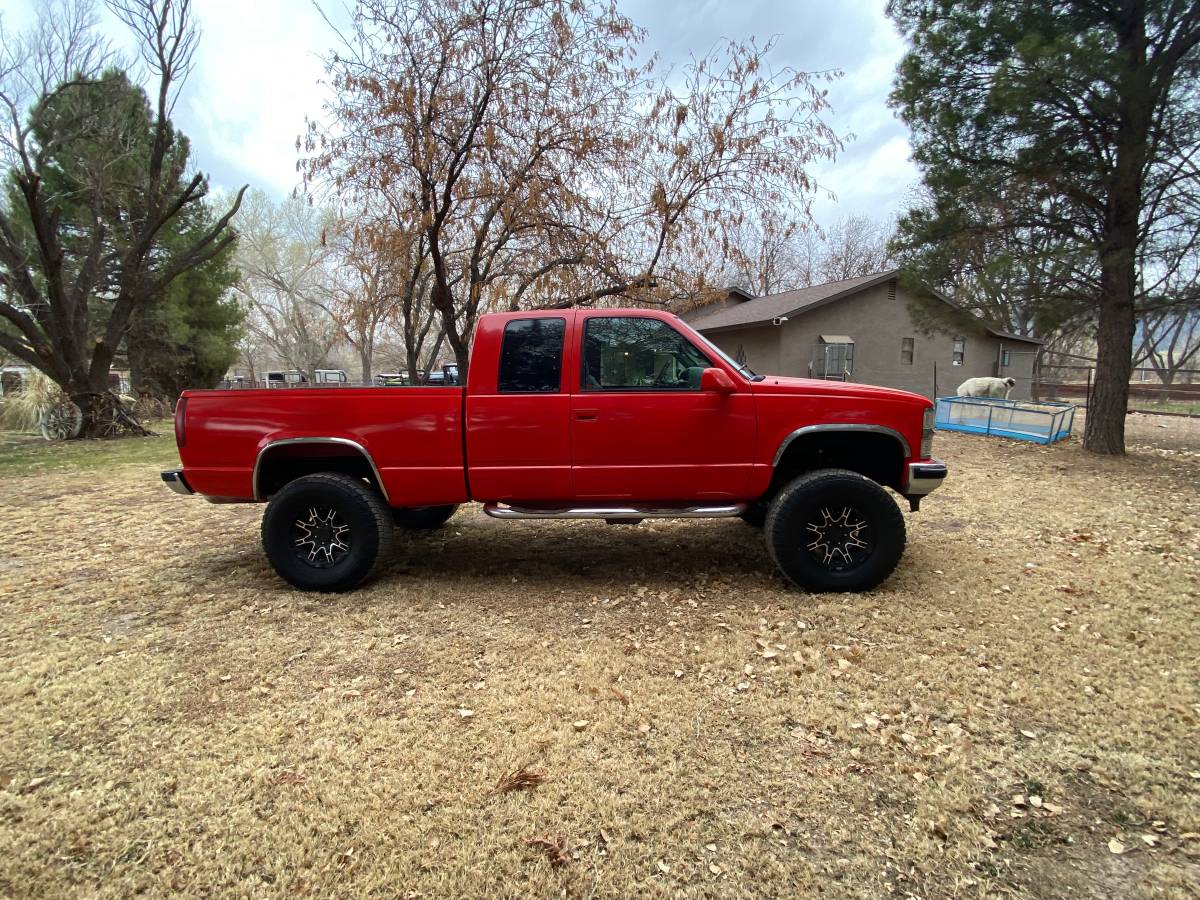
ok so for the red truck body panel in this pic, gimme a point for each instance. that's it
(638, 445)
(413, 436)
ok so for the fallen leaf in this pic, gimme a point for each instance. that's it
(553, 849)
(1029, 734)
(1149, 840)
(1115, 846)
(663, 867)
(466, 713)
(581, 724)
(521, 779)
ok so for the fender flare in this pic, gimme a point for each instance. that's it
(832, 427)
(345, 442)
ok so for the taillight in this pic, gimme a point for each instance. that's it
(180, 431)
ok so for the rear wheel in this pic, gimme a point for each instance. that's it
(326, 532)
(835, 530)
(423, 518)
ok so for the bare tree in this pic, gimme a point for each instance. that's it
(1169, 340)
(856, 245)
(95, 181)
(288, 282)
(538, 165)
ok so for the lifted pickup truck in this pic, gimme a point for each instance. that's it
(619, 415)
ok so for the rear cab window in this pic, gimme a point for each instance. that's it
(531, 355)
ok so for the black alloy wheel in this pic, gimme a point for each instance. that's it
(835, 530)
(327, 532)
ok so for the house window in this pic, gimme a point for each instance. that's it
(960, 351)
(1005, 359)
(907, 346)
(834, 357)
(531, 356)
(622, 353)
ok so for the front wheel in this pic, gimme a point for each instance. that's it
(326, 532)
(835, 530)
(423, 518)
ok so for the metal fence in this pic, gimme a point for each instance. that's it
(1054, 381)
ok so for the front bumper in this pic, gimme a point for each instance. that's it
(924, 477)
(174, 479)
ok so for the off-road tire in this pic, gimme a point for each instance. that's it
(356, 504)
(423, 518)
(821, 497)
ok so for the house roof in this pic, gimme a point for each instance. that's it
(763, 310)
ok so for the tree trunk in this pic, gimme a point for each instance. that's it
(365, 361)
(1105, 430)
(105, 416)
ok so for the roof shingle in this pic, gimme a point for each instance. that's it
(764, 309)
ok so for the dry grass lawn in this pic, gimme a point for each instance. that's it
(577, 710)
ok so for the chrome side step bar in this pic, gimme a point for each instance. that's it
(616, 513)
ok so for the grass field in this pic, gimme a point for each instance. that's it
(1191, 408)
(1015, 714)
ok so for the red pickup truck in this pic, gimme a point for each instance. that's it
(616, 414)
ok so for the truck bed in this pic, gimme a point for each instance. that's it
(413, 436)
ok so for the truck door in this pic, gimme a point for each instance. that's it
(518, 414)
(642, 430)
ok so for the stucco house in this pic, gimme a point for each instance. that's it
(861, 330)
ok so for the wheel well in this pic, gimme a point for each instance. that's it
(285, 462)
(878, 456)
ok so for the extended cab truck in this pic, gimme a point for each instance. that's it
(618, 415)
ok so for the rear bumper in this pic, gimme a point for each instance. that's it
(924, 477)
(174, 479)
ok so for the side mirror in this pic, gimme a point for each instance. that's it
(716, 380)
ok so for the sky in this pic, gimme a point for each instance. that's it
(259, 74)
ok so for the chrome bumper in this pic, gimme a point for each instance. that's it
(924, 477)
(175, 481)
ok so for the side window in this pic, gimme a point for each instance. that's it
(907, 346)
(531, 356)
(959, 352)
(622, 353)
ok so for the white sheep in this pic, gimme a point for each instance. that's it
(987, 387)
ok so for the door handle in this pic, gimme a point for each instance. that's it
(585, 415)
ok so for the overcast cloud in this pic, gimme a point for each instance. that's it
(259, 73)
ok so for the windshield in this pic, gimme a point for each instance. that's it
(741, 367)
